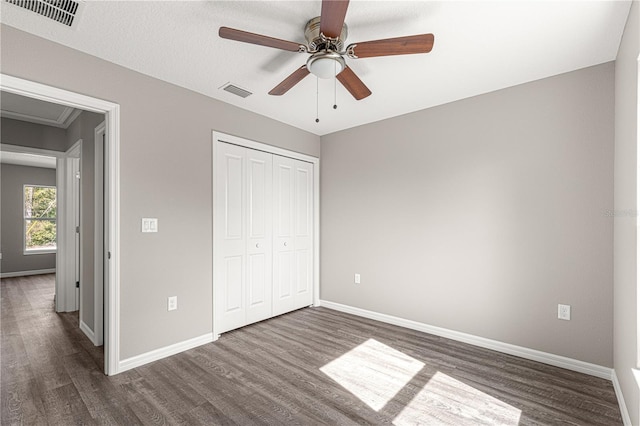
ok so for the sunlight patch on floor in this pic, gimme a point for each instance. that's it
(447, 400)
(373, 372)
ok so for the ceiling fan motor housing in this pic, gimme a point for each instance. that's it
(318, 42)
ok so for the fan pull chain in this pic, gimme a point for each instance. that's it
(317, 100)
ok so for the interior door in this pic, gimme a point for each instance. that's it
(75, 170)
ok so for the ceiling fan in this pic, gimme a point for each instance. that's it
(325, 37)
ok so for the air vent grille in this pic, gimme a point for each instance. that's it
(63, 11)
(232, 88)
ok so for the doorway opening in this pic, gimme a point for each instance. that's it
(106, 251)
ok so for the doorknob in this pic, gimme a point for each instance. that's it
(285, 243)
(257, 245)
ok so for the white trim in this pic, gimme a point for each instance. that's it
(626, 418)
(316, 233)
(61, 236)
(28, 160)
(112, 112)
(64, 120)
(507, 348)
(156, 354)
(29, 150)
(31, 252)
(98, 234)
(112, 222)
(247, 143)
(27, 273)
(88, 332)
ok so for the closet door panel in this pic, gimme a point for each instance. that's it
(230, 261)
(303, 207)
(259, 238)
(283, 247)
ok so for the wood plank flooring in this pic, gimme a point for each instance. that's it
(311, 367)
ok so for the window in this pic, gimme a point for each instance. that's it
(40, 211)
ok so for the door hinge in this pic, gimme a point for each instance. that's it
(77, 229)
(77, 284)
(109, 255)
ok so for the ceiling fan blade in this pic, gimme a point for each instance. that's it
(332, 17)
(246, 37)
(422, 43)
(353, 84)
(290, 81)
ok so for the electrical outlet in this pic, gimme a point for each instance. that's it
(356, 278)
(564, 312)
(172, 303)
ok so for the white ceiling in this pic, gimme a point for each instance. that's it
(480, 47)
(35, 111)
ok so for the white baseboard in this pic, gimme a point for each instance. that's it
(88, 332)
(156, 354)
(27, 273)
(507, 348)
(626, 418)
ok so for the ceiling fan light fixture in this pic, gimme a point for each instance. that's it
(326, 64)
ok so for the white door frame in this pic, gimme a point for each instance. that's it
(111, 110)
(99, 249)
(247, 143)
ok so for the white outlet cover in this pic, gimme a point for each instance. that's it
(564, 312)
(356, 278)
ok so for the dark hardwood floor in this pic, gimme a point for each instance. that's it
(310, 367)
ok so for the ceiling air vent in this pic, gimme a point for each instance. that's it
(63, 11)
(232, 88)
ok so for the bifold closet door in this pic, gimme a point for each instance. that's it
(243, 236)
(293, 234)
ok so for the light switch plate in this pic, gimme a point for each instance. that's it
(356, 278)
(172, 303)
(149, 224)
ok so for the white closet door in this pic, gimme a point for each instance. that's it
(243, 235)
(230, 237)
(293, 230)
(259, 235)
(303, 228)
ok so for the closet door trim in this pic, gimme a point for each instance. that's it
(219, 137)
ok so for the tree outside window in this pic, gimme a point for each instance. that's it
(40, 213)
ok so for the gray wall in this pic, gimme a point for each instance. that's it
(165, 171)
(481, 215)
(83, 128)
(22, 133)
(626, 208)
(12, 179)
